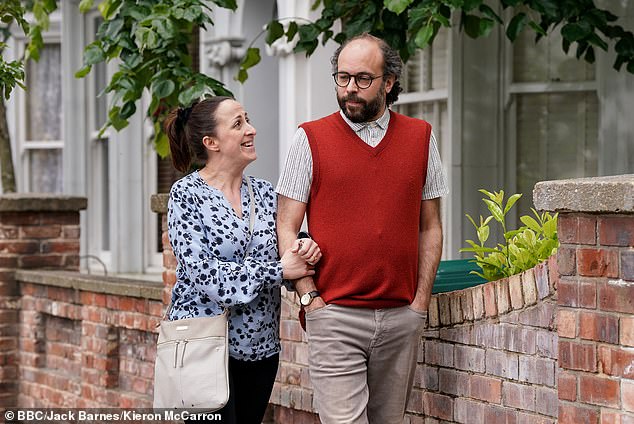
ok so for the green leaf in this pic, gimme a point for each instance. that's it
(227, 4)
(161, 143)
(252, 57)
(275, 30)
(509, 203)
(292, 30)
(424, 35)
(471, 24)
(487, 11)
(516, 26)
(576, 31)
(495, 210)
(163, 88)
(83, 71)
(530, 223)
(93, 54)
(85, 5)
(115, 119)
(397, 6)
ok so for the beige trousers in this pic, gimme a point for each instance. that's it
(362, 362)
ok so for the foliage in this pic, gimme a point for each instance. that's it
(150, 40)
(523, 248)
(408, 25)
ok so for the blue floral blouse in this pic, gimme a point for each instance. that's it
(221, 265)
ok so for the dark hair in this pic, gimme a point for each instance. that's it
(185, 129)
(392, 63)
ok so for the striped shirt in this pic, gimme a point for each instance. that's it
(297, 175)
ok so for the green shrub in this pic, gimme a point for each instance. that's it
(523, 248)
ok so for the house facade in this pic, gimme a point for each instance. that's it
(506, 115)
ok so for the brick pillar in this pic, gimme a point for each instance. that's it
(36, 231)
(159, 206)
(595, 314)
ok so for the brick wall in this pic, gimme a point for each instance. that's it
(595, 300)
(488, 356)
(67, 339)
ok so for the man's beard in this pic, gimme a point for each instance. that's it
(368, 110)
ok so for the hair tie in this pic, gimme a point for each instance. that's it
(183, 114)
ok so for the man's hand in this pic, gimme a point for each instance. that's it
(317, 303)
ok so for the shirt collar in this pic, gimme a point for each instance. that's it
(382, 122)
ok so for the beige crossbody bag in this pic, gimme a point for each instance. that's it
(192, 357)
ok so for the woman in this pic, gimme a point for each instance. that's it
(221, 264)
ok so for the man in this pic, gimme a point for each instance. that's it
(358, 174)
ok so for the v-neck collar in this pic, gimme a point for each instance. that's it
(243, 196)
(352, 131)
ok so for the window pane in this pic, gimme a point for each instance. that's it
(546, 60)
(556, 139)
(46, 170)
(44, 95)
(428, 69)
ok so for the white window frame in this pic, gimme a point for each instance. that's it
(22, 145)
(511, 91)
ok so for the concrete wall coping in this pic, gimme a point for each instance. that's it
(158, 202)
(598, 194)
(41, 202)
(94, 283)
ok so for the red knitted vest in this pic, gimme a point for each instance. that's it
(364, 210)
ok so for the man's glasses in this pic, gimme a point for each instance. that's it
(363, 81)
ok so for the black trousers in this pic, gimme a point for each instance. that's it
(250, 387)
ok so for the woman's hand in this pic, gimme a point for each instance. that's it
(299, 260)
(307, 249)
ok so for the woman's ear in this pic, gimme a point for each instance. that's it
(210, 143)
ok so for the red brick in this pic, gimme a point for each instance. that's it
(618, 362)
(627, 395)
(169, 260)
(534, 369)
(567, 385)
(616, 231)
(567, 323)
(469, 358)
(71, 232)
(486, 388)
(453, 382)
(627, 265)
(466, 304)
(40, 231)
(19, 218)
(612, 417)
(41, 261)
(498, 415)
(467, 411)
(568, 292)
(438, 406)
(546, 401)
(626, 331)
(455, 308)
(577, 356)
(553, 273)
(65, 246)
(598, 263)
(566, 260)
(444, 309)
(599, 390)
(19, 246)
(587, 293)
(577, 414)
(490, 305)
(8, 233)
(577, 229)
(291, 330)
(515, 291)
(599, 327)
(616, 296)
(62, 218)
(502, 295)
(520, 396)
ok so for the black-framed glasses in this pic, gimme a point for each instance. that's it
(363, 81)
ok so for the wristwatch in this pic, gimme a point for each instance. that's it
(307, 298)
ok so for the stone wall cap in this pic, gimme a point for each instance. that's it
(596, 194)
(94, 283)
(158, 202)
(41, 202)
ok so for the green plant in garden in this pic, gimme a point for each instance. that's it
(522, 248)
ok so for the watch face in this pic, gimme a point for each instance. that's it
(305, 299)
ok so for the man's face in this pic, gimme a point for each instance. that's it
(363, 105)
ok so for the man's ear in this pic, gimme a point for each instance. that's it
(211, 143)
(389, 83)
